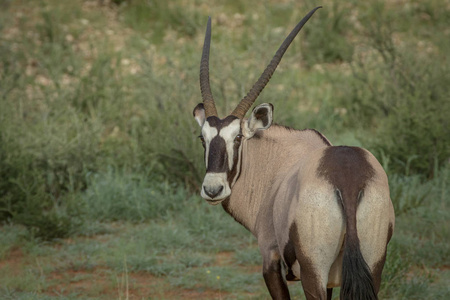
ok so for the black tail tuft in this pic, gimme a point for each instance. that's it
(357, 281)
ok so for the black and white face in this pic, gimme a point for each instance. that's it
(223, 140)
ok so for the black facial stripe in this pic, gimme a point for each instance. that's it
(218, 123)
(217, 156)
(234, 169)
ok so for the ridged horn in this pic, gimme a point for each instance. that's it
(245, 104)
(208, 100)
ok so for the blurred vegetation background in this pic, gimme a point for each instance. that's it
(96, 124)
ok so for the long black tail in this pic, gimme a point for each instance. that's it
(357, 280)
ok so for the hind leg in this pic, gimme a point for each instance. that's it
(273, 274)
(315, 267)
(375, 223)
(329, 293)
(317, 241)
(376, 273)
(314, 285)
(376, 264)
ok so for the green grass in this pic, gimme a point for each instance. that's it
(200, 248)
(100, 164)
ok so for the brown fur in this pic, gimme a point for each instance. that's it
(287, 192)
(267, 162)
(278, 165)
(347, 169)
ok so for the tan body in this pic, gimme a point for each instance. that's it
(278, 187)
(321, 213)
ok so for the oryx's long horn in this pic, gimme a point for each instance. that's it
(208, 101)
(248, 100)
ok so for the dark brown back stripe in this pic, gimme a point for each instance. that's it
(324, 139)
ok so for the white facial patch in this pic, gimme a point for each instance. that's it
(229, 133)
(246, 131)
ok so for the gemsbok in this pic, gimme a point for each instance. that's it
(321, 214)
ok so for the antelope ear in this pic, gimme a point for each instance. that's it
(260, 119)
(199, 114)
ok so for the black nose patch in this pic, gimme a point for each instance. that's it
(213, 191)
(218, 157)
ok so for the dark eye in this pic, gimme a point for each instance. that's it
(238, 138)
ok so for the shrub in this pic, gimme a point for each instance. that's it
(327, 36)
(117, 196)
(159, 17)
(401, 95)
